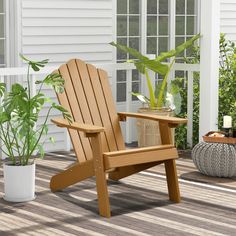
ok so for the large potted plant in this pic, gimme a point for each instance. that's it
(161, 99)
(20, 138)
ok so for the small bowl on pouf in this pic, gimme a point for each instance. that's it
(215, 159)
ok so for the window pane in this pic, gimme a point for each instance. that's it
(191, 10)
(121, 92)
(180, 7)
(133, 6)
(151, 45)
(152, 25)
(135, 75)
(134, 43)
(135, 89)
(178, 41)
(120, 54)
(180, 29)
(1, 26)
(121, 6)
(190, 25)
(121, 25)
(163, 25)
(189, 51)
(1, 52)
(162, 45)
(134, 25)
(1, 6)
(179, 74)
(163, 6)
(151, 6)
(121, 75)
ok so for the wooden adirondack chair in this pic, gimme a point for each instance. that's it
(97, 139)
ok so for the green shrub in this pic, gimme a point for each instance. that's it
(227, 94)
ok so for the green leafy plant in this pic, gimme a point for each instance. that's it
(227, 88)
(19, 113)
(227, 80)
(143, 64)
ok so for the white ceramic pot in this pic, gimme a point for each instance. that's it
(19, 183)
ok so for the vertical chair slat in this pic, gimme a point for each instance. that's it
(80, 93)
(104, 113)
(73, 134)
(111, 108)
(91, 101)
(70, 102)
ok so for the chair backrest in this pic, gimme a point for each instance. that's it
(88, 98)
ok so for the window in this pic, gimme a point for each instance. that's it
(157, 19)
(2, 34)
(128, 33)
(157, 26)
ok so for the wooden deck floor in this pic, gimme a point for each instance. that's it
(139, 205)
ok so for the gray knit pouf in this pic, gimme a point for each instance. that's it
(215, 159)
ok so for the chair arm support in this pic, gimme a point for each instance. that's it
(86, 128)
(172, 121)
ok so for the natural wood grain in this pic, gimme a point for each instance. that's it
(74, 108)
(111, 108)
(101, 182)
(166, 119)
(78, 126)
(165, 132)
(172, 181)
(103, 111)
(122, 172)
(97, 138)
(74, 135)
(129, 158)
(72, 175)
(91, 100)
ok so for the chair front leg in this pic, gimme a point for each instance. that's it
(101, 182)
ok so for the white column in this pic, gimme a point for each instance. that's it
(209, 65)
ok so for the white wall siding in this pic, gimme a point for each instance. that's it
(228, 18)
(63, 29)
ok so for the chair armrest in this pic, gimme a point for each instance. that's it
(163, 119)
(86, 128)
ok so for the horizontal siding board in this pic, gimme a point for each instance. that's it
(227, 22)
(226, 2)
(67, 49)
(228, 7)
(60, 22)
(228, 15)
(93, 31)
(63, 57)
(66, 13)
(65, 40)
(68, 4)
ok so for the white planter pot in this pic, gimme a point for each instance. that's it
(19, 183)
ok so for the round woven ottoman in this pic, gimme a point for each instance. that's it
(215, 159)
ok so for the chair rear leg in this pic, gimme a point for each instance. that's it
(172, 181)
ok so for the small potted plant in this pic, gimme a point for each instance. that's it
(160, 101)
(20, 137)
